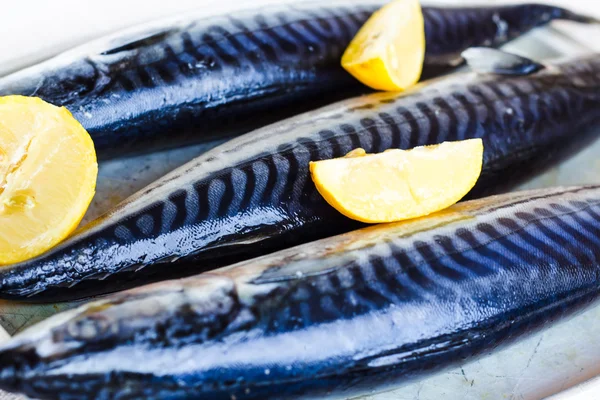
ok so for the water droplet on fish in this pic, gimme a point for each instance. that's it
(299, 274)
(509, 111)
(82, 329)
(88, 115)
(311, 49)
(501, 26)
(267, 371)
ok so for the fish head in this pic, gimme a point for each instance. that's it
(167, 314)
(61, 82)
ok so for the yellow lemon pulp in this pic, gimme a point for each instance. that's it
(48, 173)
(387, 53)
(399, 184)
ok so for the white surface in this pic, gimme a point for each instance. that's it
(587, 390)
(543, 364)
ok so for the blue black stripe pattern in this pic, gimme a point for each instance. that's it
(254, 194)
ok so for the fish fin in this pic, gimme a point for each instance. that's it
(584, 19)
(491, 61)
(282, 275)
(137, 40)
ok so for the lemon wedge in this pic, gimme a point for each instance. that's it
(388, 51)
(48, 176)
(399, 184)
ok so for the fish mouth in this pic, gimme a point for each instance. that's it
(20, 372)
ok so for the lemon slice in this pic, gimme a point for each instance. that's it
(387, 53)
(399, 184)
(48, 176)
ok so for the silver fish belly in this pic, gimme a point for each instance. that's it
(340, 316)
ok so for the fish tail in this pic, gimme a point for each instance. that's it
(584, 19)
(515, 20)
(581, 18)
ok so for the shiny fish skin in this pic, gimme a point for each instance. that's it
(254, 194)
(341, 316)
(199, 79)
(445, 29)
